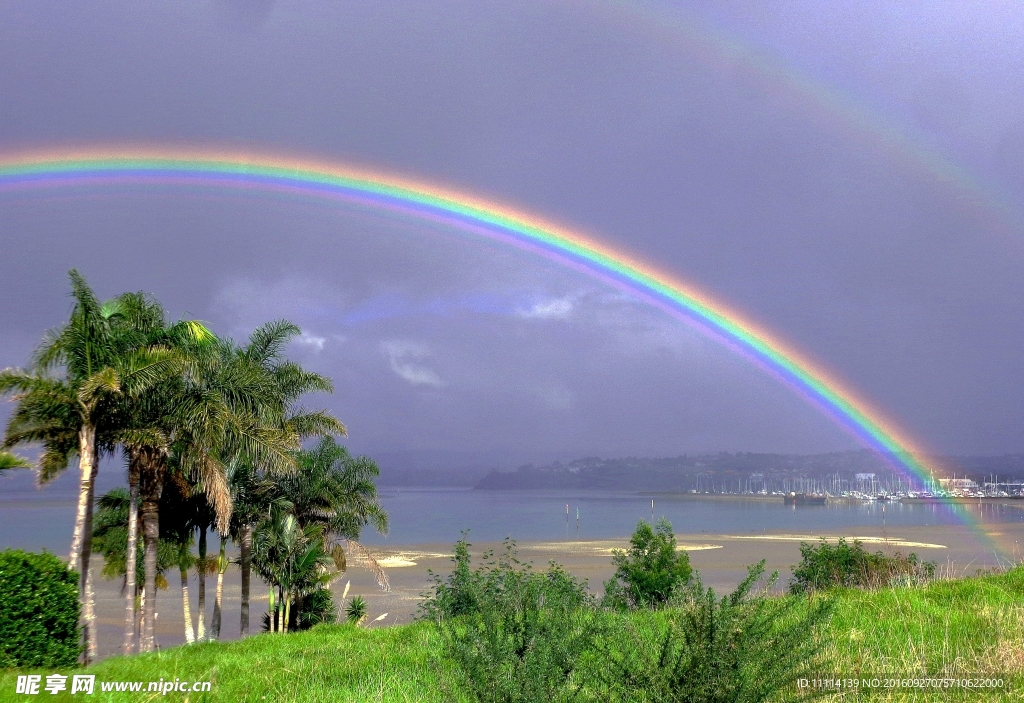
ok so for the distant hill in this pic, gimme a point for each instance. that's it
(731, 472)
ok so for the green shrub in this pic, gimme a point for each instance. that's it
(651, 571)
(850, 565)
(355, 611)
(310, 610)
(457, 596)
(746, 647)
(38, 611)
(513, 633)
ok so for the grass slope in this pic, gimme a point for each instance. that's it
(965, 626)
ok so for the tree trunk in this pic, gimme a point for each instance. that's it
(222, 565)
(90, 617)
(245, 561)
(81, 540)
(271, 610)
(190, 636)
(201, 570)
(287, 610)
(131, 554)
(142, 617)
(151, 485)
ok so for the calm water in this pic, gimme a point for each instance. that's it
(45, 519)
(435, 515)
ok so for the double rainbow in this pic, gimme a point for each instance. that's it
(484, 219)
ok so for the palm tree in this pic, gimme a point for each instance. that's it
(291, 558)
(265, 351)
(336, 491)
(178, 505)
(100, 360)
(210, 415)
(110, 537)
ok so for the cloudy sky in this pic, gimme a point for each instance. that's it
(848, 177)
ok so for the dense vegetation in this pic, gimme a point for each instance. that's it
(824, 566)
(211, 433)
(972, 625)
(38, 611)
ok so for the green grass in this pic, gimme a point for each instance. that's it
(973, 625)
(327, 663)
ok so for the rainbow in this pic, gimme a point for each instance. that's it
(477, 217)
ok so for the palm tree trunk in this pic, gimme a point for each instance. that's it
(131, 554)
(287, 610)
(151, 485)
(190, 636)
(150, 537)
(271, 610)
(90, 617)
(245, 561)
(201, 569)
(138, 611)
(142, 618)
(81, 540)
(222, 565)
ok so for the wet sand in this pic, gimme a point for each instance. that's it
(721, 560)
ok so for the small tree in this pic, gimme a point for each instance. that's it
(651, 571)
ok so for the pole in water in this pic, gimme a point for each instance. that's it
(577, 521)
(652, 510)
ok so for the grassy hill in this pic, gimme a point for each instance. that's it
(964, 626)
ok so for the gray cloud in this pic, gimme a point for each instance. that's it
(840, 242)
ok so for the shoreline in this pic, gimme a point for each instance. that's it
(720, 559)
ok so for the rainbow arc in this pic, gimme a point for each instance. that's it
(477, 217)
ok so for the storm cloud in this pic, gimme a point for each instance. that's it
(848, 178)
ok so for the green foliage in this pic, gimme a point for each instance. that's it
(513, 633)
(459, 594)
(110, 538)
(355, 611)
(846, 565)
(317, 608)
(10, 461)
(744, 647)
(38, 611)
(651, 571)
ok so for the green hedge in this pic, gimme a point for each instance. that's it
(38, 611)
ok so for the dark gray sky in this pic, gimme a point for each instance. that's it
(676, 137)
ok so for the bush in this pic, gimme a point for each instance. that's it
(746, 647)
(651, 571)
(310, 610)
(38, 611)
(513, 633)
(850, 565)
(355, 611)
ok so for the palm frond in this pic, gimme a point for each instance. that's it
(363, 557)
(267, 342)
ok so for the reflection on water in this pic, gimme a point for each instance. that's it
(421, 516)
(439, 515)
